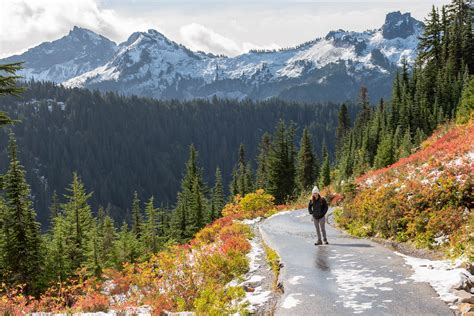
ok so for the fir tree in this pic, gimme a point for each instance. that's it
(325, 175)
(343, 126)
(151, 227)
(384, 155)
(281, 168)
(8, 86)
(137, 217)
(21, 256)
(54, 208)
(305, 171)
(262, 162)
(78, 221)
(217, 200)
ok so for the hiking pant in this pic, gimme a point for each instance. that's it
(319, 224)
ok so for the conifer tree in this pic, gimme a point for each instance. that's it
(137, 217)
(78, 221)
(325, 175)
(94, 252)
(281, 168)
(343, 126)
(151, 227)
(126, 247)
(384, 155)
(21, 256)
(305, 171)
(8, 86)
(54, 208)
(217, 200)
(108, 236)
(58, 263)
(262, 162)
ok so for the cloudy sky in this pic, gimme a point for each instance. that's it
(228, 27)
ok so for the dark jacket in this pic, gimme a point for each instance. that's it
(319, 209)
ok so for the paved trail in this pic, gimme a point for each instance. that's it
(348, 276)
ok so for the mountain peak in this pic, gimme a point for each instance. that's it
(399, 25)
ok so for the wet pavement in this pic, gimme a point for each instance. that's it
(349, 276)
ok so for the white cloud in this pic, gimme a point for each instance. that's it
(213, 26)
(26, 23)
(198, 37)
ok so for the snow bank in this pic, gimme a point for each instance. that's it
(442, 275)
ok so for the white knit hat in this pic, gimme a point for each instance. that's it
(315, 190)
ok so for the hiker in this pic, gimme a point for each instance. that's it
(318, 207)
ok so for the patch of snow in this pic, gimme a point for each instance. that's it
(254, 278)
(290, 301)
(256, 298)
(442, 275)
(255, 252)
(251, 221)
(295, 280)
(357, 281)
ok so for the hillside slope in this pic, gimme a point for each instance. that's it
(425, 198)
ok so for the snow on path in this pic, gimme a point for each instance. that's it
(442, 275)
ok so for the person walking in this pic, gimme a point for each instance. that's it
(318, 207)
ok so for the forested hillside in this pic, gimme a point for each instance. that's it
(423, 97)
(119, 145)
(398, 185)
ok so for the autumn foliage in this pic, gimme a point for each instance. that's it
(190, 277)
(426, 198)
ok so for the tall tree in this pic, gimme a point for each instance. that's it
(78, 221)
(21, 255)
(8, 86)
(281, 160)
(325, 174)
(151, 227)
(305, 171)
(217, 200)
(343, 125)
(137, 217)
(262, 162)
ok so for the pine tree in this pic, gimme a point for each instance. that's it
(21, 256)
(406, 145)
(262, 162)
(281, 168)
(190, 201)
(78, 221)
(325, 175)
(343, 126)
(305, 171)
(137, 217)
(242, 182)
(384, 155)
(8, 86)
(59, 265)
(151, 227)
(54, 208)
(217, 200)
(126, 247)
(94, 251)
(108, 237)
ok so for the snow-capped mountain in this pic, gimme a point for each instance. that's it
(329, 68)
(72, 55)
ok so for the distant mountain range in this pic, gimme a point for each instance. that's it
(149, 64)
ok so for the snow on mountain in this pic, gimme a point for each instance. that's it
(329, 68)
(72, 55)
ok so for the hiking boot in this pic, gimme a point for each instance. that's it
(319, 242)
(326, 242)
